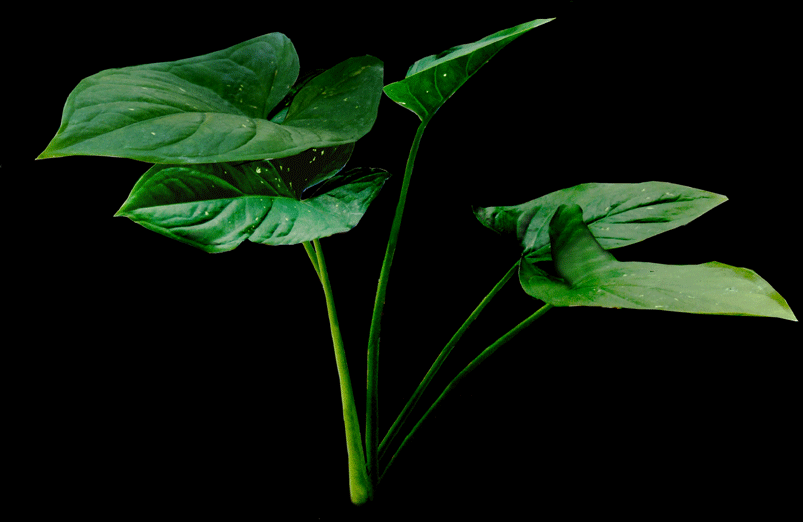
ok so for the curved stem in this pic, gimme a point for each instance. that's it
(313, 257)
(359, 485)
(473, 364)
(372, 401)
(408, 408)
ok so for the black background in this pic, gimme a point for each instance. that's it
(155, 378)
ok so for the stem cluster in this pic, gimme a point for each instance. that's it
(365, 474)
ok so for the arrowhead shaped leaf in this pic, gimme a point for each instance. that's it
(618, 214)
(432, 80)
(215, 207)
(214, 108)
(590, 276)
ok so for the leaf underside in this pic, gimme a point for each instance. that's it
(432, 80)
(213, 108)
(588, 275)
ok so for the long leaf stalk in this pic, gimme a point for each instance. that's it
(313, 257)
(473, 364)
(359, 486)
(408, 408)
(372, 400)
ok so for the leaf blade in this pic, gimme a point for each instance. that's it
(215, 207)
(210, 108)
(588, 278)
(618, 214)
(432, 80)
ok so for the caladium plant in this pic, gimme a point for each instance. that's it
(243, 149)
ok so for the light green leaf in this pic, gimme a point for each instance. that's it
(214, 108)
(618, 214)
(432, 80)
(590, 276)
(215, 207)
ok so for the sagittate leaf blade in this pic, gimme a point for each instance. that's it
(618, 214)
(587, 275)
(432, 80)
(213, 108)
(215, 207)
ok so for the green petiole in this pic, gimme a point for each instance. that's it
(473, 364)
(359, 486)
(313, 257)
(408, 408)
(372, 400)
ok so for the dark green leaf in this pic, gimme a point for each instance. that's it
(590, 276)
(279, 112)
(432, 80)
(215, 207)
(214, 108)
(618, 214)
(312, 166)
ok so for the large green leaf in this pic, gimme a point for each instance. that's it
(215, 207)
(432, 80)
(618, 214)
(588, 275)
(214, 108)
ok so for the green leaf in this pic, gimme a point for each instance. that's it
(590, 276)
(618, 214)
(432, 80)
(215, 108)
(302, 171)
(215, 207)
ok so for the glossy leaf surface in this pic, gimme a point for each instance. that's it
(618, 214)
(214, 108)
(215, 207)
(432, 80)
(588, 275)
